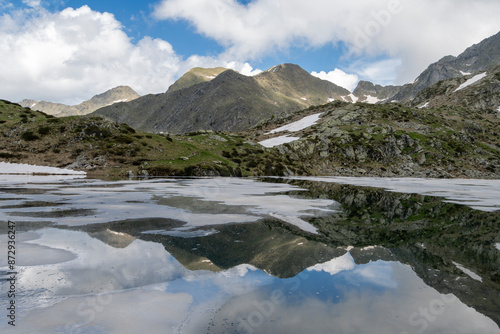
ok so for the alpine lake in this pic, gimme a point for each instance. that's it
(265, 255)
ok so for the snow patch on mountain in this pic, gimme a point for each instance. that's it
(272, 142)
(372, 99)
(298, 125)
(471, 81)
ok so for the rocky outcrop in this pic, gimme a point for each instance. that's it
(395, 141)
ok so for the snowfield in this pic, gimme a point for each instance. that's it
(298, 125)
(471, 81)
(424, 105)
(277, 141)
(371, 99)
(483, 195)
(292, 127)
(8, 168)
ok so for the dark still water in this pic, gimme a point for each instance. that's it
(304, 255)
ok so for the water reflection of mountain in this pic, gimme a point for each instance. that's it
(428, 234)
(112, 238)
(265, 245)
(425, 232)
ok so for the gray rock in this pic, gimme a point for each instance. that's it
(218, 138)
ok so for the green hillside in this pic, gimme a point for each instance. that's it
(392, 140)
(102, 147)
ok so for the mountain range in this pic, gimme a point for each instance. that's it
(117, 94)
(223, 100)
(304, 125)
(229, 102)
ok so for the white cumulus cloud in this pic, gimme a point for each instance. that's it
(339, 77)
(32, 3)
(380, 72)
(417, 32)
(76, 53)
(71, 55)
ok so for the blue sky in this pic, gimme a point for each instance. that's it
(136, 17)
(69, 50)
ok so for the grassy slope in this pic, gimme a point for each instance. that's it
(382, 139)
(350, 139)
(114, 149)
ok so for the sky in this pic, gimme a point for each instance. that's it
(70, 50)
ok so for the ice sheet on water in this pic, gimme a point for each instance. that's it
(481, 195)
(10, 168)
(83, 202)
(134, 289)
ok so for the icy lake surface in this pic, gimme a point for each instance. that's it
(227, 255)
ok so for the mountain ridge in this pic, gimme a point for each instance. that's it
(477, 91)
(478, 57)
(113, 95)
(229, 102)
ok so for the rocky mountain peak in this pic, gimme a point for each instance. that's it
(365, 88)
(366, 91)
(285, 71)
(478, 57)
(195, 76)
(114, 95)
